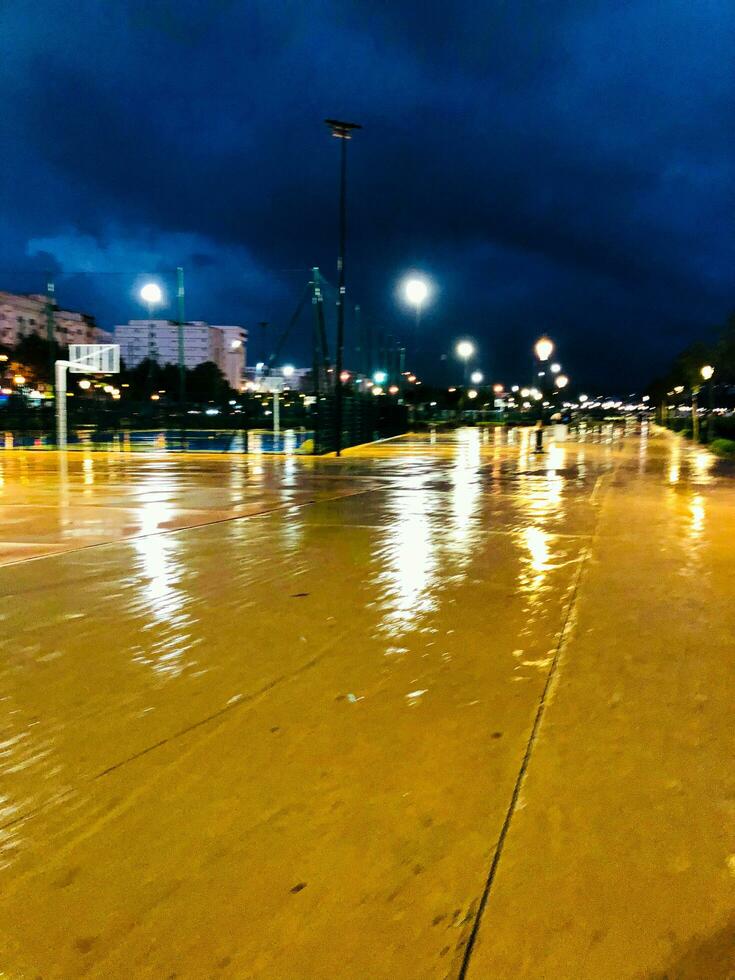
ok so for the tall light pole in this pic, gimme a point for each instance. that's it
(152, 297)
(416, 292)
(464, 351)
(180, 331)
(543, 348)
(343, 131)
(50, 327)
(707, 371)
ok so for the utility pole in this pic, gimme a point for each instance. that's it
(50, 327)
(343, 131)
(180, 325)
(360, 344)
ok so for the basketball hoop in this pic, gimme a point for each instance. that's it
(83, 359)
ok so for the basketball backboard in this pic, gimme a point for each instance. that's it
(94, 358)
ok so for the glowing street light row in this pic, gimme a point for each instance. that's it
(416, 291)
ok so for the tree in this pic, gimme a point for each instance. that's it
(35, 354)
(207, 383)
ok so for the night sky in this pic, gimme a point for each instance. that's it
(560, 166)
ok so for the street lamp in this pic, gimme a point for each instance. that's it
(287, 370)
(476, 377)
(343, 131)
(543, 348)
(707, 371)
(380, 377)
(464, 350)
(152, 296)
(561, 381)
(416, 292)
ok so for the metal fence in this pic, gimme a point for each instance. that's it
(365, 418)
(141, 427)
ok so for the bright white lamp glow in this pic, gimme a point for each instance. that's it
(472, 393)
(151, 293)
(707, 371)
(561, 381)
(380, 377)
(415, 291)
(583, 398)
(544, 348)
(465, 349)
(555, 368)
(476, 377)
(287, 370)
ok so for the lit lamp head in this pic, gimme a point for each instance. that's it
(544, 348)
(707, 371)
(287, 370)
(555, 368)
(415, 291)
(476, 377)
(380, 377)
(472, 393)
(151, 294)
(561, 381)
(498, 389)
(465, 349)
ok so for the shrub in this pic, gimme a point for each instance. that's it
(723, 447)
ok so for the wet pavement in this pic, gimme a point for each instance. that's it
(442, 708)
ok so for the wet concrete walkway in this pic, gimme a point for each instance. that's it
(439, 709)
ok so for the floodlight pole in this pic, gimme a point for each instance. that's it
(50, 324)
(343, 131)
(180, 315)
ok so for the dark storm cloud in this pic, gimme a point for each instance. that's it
(560, 166)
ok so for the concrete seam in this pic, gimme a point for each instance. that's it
(520, 778)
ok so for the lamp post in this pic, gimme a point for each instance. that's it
(543, 348)
(343, 131)
(707, 371)
(152, 297)
(464, 350)
(416, 292)
(180, 332)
